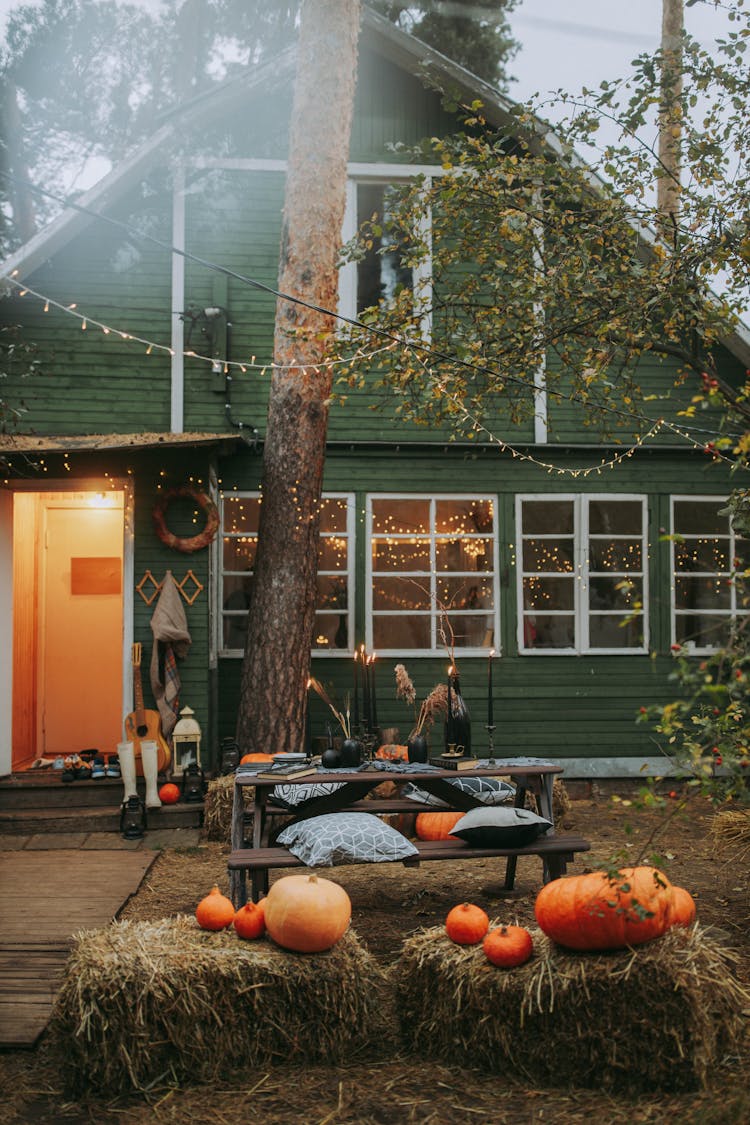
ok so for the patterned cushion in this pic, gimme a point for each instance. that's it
(339, 838)
(488, 790)
(290, 796)
(500, 828)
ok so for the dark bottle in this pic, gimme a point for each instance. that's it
(458, 723)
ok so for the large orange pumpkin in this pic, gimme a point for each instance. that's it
(306, 913)
(599, 911)
(437, 825)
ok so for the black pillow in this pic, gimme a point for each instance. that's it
(500, 827)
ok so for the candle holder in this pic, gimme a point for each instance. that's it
(491, 744)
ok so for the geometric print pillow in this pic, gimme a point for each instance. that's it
(345, 837)
(291, 796)
(488, 790)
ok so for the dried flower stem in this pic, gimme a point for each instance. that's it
(341, 718)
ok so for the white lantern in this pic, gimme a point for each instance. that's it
(186, 742)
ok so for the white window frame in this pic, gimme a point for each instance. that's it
(731, 614)
(430, 576)
(422, 275)
(580, 578)
(349, 497)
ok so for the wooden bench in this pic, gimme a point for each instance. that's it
(556, 852)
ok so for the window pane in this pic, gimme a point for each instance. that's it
(331, 592)
(615, 631)
(400, 554)
(399, 517)
(239, 554)
(333, 552)
(333, 514)
(463, 554)
(380, 273)
(615, 554)
(547, 517)
(703, 554)
(463, 517)
(614, 593)
(616, 517)
(548, 593)
(241, 514)
(410, 631)
(548, 555)
(704, 630)
(472, 630)
(464, 593)
(541, 631)
(399, 594)
(700, 517)
(331, 631)
(703, 593)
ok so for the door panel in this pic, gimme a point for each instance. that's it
(81, 630)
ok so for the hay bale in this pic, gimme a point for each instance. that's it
(731, 829)
(560, 800)
(217, 807)
(659, 1017)
(145, 1003)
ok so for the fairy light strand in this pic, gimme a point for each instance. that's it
(152, 346)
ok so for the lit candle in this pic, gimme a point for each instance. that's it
(356, 690)
(490, 719)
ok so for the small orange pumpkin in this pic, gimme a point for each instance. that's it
(599, 911)
(256, 758)
(466, 924)
(215, 911)
(307, 914)
(169, 794)
(250, 920)
(437, 825)
(682, 910)
(508, 946)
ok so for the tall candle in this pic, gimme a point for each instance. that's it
(490, 719)
(365, 686)
(356, 690)
(373, 694)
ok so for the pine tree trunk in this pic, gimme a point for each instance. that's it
(276, 666)
(670, 122)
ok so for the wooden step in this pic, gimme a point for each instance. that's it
(44, 789)
(33, 822)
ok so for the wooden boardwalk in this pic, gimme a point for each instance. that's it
(45, 898)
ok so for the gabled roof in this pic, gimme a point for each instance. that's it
(378, 33)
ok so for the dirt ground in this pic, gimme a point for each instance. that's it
(389, 904)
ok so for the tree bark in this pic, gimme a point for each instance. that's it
(670, 121)
(276, 666)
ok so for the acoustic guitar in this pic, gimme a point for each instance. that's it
(142, 725)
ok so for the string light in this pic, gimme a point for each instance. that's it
(360, 355)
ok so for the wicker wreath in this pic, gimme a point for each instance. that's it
(196, 542)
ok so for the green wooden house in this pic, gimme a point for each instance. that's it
(152, 377)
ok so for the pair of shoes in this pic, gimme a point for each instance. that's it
(69, 768)
(41, 764)
(97, 769)
(113, 766)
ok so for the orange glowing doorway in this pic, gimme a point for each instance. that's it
(68, 623)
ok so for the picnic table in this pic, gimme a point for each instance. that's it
(258, 855)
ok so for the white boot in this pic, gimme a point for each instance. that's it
(126, 754)
(150, 772)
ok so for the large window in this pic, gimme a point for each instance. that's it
(335, 601)
(582, 574)
(432, 573)
(705, 554)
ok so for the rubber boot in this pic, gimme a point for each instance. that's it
(126, 754)
(150, 772)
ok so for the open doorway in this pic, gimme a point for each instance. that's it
(68, 622)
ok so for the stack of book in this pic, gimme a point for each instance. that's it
(453, 762)
(285, 771)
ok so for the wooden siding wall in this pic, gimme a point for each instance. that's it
(567, 706)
